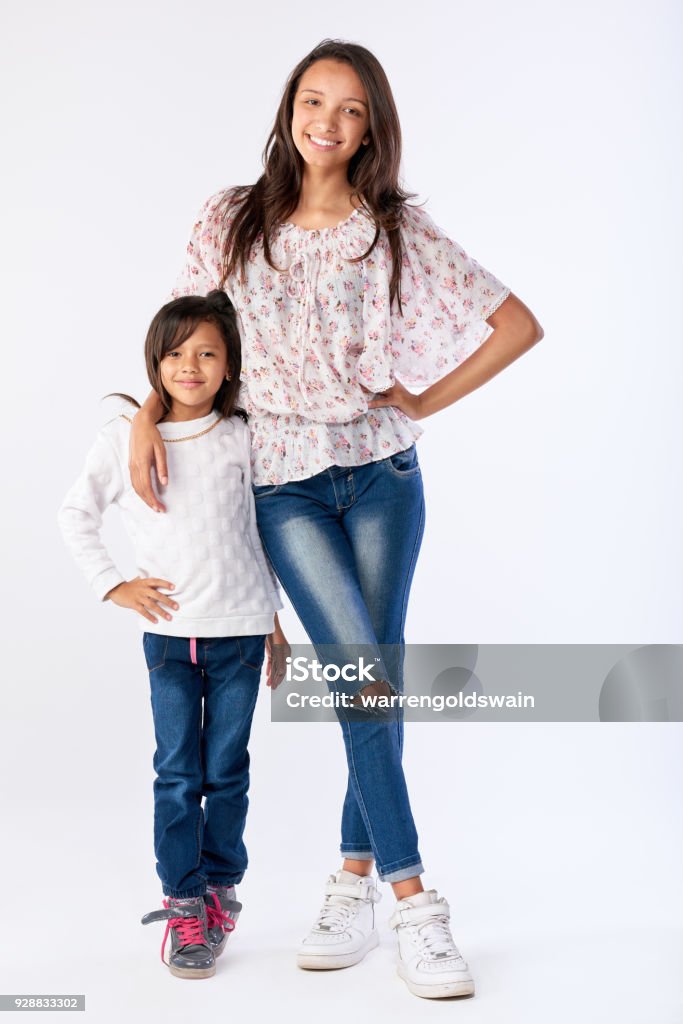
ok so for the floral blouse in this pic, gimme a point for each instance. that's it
(318, 339)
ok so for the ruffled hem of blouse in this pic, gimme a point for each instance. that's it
(285, 448)
(421, 363)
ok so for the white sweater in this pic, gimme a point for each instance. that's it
(206, 542)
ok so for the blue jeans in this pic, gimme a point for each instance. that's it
(344, 544)
(203, 698)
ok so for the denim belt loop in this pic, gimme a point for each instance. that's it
(193, 650)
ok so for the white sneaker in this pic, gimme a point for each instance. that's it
(429, 961)
(345, 929)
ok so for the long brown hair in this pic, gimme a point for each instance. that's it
(173, 325)
(373, 170)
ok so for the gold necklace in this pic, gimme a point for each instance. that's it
(190, 437)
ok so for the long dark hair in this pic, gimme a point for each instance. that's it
(173, 324)
(373, 170)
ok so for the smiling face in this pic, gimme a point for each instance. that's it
(330, 119)
(193, 372)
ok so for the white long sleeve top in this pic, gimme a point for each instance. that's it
(206, 543)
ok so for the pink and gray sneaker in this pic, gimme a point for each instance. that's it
(222, 912)
(190, 955)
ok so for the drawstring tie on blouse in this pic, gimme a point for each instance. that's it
(303, 272)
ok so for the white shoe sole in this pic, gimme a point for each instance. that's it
(443, 990)
(188, 972)
(330, 962)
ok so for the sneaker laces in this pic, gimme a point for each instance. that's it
(216, 917)
(190, 930)
(336, 912)
(435, 939)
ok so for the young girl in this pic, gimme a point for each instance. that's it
(207, 598)
(345, 291)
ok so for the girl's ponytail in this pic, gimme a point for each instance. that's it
(220, 302)
(120, 394)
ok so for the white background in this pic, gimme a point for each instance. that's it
(545, 139)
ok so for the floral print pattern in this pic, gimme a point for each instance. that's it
(319, 340)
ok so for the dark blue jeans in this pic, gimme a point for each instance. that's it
(202, 720)
(344, 544)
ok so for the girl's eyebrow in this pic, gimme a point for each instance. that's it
(347, 99)
(207, 344)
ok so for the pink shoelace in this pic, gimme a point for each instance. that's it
(217, 917)
(190, 930)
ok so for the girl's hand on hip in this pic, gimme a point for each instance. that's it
(142, 595)
(278, 650)
(401, 398)
(146, 450)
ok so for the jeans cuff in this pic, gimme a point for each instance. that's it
(184, 894)
(401, 874)
(352, 854)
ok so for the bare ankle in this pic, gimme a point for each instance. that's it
(358, 867)
(408, 887)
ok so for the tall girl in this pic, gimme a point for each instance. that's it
(207, 601)
(346, 292)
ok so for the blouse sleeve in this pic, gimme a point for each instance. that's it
(203, 267)
(202, 270)
(446, 297)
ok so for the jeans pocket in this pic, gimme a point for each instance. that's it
(155, 647)
(265, 490)
(403, 463)
(252, 650)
